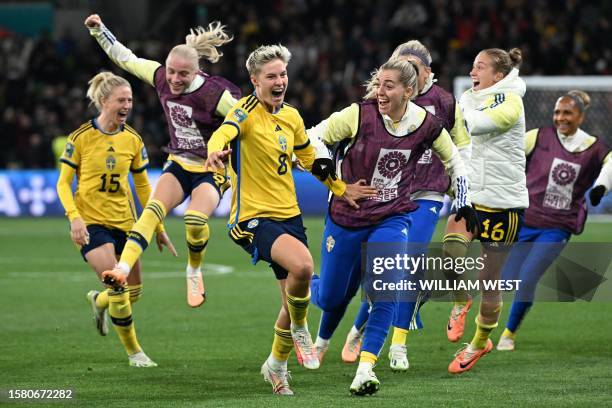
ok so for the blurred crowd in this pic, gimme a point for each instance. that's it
(335, 45)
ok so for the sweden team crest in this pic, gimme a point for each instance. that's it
(110, 162)
(329, 243)
(282, 141)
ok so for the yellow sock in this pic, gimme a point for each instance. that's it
(135, 293)
(102, 299)
(399, 336)
(482, 334)
(120, 312)
(142, 232)
(456, 246)
(508, 333)
(366, 357)
(298, 309)
(282, 344)
(198, 233)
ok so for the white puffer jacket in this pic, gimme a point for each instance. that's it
(495, 118)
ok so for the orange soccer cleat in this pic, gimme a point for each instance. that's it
(196, 293)
(114, 279)
(352, 347)
(456, 321)
(466, 357)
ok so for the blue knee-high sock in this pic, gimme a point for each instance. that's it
(377, 326)
(408, 314)
(362, 315)
(330, 321)
(314, 290)
(404, 311)
(517, 314)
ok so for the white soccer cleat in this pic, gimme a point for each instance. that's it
(99, 314)
(398, 358)
(321, 350)
(365, 383)
(304, 348)
(141, 360)
(278, 378)
(505, 344)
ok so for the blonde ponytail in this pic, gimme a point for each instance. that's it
(206, 41)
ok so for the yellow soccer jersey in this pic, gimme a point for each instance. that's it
(103, 163)
(262, 145)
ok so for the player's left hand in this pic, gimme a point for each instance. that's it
(324, 168)
(214, 161)
(163, 240)
(471, 218)
(359, 191)
(596, 194)
(295, 164)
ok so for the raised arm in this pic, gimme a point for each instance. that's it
(121, 55)
(500, 113)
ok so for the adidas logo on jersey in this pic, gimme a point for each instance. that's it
(110, 149)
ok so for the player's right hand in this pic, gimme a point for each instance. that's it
(468, 213)
(596, 194)
(163, 240)
(93, 21)
(78, 232)
(323, 168)
(359, 191)
(214, 161)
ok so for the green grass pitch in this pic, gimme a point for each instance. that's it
(211, 356)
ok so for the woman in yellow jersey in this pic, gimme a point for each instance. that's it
(194, 104)
(263, 133)
(102, 153)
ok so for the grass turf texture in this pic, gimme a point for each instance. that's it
(211, 356)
